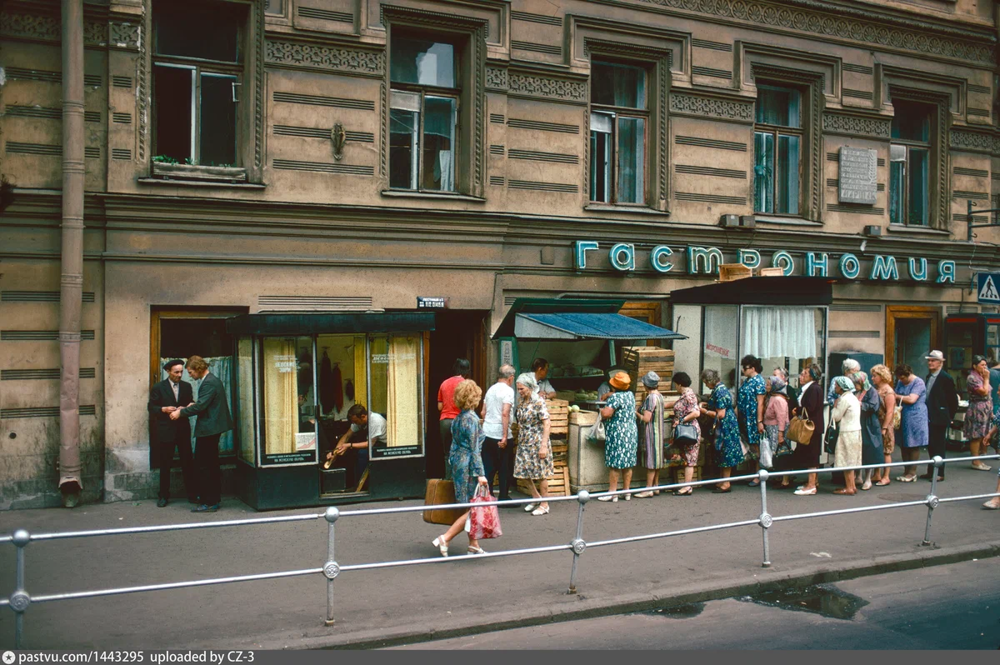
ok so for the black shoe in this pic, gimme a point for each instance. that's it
(926, 476)
(203, 508)
(161, 503)
(195, 501)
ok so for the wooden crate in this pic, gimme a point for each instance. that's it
(729, 272)
(772, 272)
(559, 482)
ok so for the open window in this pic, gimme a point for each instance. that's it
(910, 163)
(202, 55)
(423, 114)
(619, 119)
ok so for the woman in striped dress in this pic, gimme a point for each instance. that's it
(651, 416)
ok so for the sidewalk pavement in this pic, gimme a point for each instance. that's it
(414, 603)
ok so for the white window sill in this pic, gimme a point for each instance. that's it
(634, 210)
(179, 182)
(899, 228)
(445, 196)
(787, 221)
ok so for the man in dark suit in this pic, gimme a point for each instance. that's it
(942, 404)
(165, 434)
(214, 419)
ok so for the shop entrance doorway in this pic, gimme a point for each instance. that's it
(910, 333)
(457, 334)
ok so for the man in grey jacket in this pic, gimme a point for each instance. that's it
(214, 419)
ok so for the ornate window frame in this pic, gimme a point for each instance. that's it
(250, 117)
(941, 102)
(471, 158)
(657, 62)
(811, 160)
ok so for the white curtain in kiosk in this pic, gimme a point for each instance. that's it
(772, 332)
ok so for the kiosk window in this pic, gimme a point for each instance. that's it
(288, 429)
(396, 393)
(244, 369)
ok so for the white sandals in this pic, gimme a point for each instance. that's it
(441, 544)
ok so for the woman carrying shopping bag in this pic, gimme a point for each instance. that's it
(466, 461)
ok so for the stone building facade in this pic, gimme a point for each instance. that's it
(353, 155)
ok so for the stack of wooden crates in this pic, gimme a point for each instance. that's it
(558, 432)
(638, 361)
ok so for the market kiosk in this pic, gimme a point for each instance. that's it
(299, 379)
(581, 339)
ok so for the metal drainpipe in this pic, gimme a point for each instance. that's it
(71, 279)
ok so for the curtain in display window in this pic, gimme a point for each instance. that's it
(244, 355)
(360, 372)
(770, 332)
(403, 417)
(281, 407)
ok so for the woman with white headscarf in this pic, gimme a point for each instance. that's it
(775, 417)
(847, 413)
(534, 453)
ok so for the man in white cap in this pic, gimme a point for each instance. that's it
(942, 404)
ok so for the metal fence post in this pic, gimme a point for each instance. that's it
(765, 517)
(932, 498)
(579, 544)
(19, 600)
(331, 569)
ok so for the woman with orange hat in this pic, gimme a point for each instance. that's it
(622, 435)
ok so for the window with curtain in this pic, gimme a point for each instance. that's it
(423, 114)
(778, 139)
(287, 401)
(778, 333)
(618, 123)
(396, 381)
(244, 369)
(909, 163)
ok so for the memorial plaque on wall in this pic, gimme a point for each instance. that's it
(858, 175)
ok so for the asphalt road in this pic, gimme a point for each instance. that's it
(945, 607)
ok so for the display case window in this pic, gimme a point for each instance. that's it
(721, 339)
(788, 337)
(287, 401)
(245, 412)
(395, 391)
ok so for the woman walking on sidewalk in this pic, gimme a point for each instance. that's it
(465, 460)
(534, 454)
(847, 414)
(621, 434)
(980, 411)
(651, 415)
(727, 431)
(882, 379)
(913, 433)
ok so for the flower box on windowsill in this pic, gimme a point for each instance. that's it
(199, 173)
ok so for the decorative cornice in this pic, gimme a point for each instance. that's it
(47, 28)
(960, 139)
(496, 78)
(854, 24)
(544, 87)
(340, 59)
(853, 125)
(713, 107)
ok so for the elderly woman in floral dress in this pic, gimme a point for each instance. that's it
(534, 453)
(729, 452)
(621, 434)
(686, 412)
(980, 411)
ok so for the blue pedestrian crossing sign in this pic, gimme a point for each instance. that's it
(989, 287)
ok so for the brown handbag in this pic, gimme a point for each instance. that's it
(800, 430)
(441, 492)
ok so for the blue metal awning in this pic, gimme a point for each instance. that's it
(585, 325)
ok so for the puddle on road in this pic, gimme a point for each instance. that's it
(822, 599)
(688, 611)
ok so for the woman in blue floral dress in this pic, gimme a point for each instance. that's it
(750, 404)
(912, 393)
(466, 460)
(729, 452)
(622, 435)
